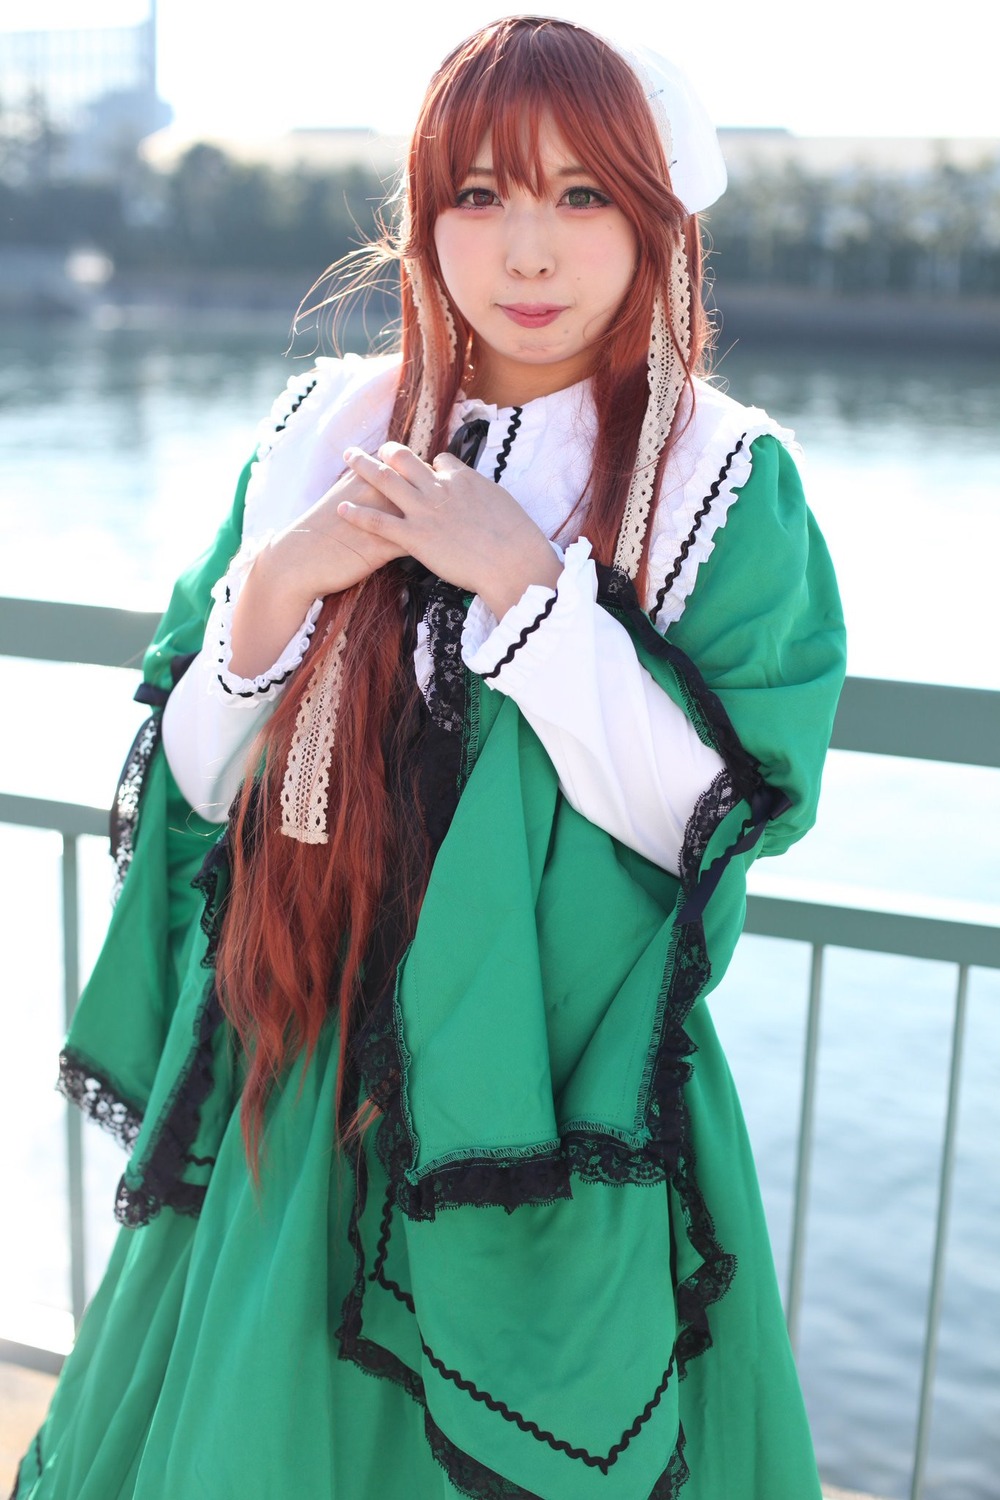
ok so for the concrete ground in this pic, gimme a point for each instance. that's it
(24, 1398)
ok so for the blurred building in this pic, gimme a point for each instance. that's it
(752, 150)
(80, 100)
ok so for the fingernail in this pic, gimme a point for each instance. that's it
(350, 453)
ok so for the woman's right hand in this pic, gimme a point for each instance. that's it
(318, 554)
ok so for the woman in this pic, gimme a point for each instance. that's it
(527, 645)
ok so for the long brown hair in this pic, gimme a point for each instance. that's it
(301, 918)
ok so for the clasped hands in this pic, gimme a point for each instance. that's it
(458, 524)
(461, 526)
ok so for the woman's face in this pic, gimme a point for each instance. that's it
(538, 280)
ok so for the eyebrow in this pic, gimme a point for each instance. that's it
(572, 171)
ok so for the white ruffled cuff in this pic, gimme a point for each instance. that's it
(494, 649)
(219, 639)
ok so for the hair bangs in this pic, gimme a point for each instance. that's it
(501, 85)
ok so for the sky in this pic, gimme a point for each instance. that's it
(857, 67)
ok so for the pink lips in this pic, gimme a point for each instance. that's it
(531, 314)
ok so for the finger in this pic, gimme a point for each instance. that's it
(380, 523)
(447, 463)
(404, 461)
(379, 475)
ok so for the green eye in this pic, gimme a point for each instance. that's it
(583, 197)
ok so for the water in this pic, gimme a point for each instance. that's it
(119, 451)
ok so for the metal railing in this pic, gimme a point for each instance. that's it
(914, 720)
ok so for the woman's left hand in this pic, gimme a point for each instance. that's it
(461, 526)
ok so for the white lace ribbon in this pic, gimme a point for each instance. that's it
(666, 376)
(305, 790)
(425, 416)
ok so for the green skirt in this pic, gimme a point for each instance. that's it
(208, 1364)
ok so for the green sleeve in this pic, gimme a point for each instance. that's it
(764, 626)
(154, 938)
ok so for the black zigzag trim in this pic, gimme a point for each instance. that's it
(515, 646)
(275, 682)
(508, 441)
(592, 1460)
(688, 542)
(560, 1445)
(294, 400)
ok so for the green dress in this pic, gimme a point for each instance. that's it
(546, 1273)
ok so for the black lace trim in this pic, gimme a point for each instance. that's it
(444, 615)
(700, 515)
(214, 873)
(515, 646)
(467, 1475)
(163, 1185)
(675, 1475)
(124, 816)
(98, 1098)
(714, 725)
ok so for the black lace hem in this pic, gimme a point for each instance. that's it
(124, 816)
(162, 1183)
(466, 1473)
(98, 1098)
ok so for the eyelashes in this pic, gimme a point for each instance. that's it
(469, 198)
(573, 197)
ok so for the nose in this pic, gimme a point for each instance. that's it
(530, 251)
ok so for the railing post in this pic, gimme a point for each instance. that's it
(804, 1161)
(940, 1238)
(74, 1139)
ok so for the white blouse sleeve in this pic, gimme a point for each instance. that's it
(627, 756)
(212, 716)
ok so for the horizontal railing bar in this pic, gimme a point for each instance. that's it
(977, 944)
(31, 1357)
(922, 720)
(875, 931)
(42, 630)
(62, 817)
